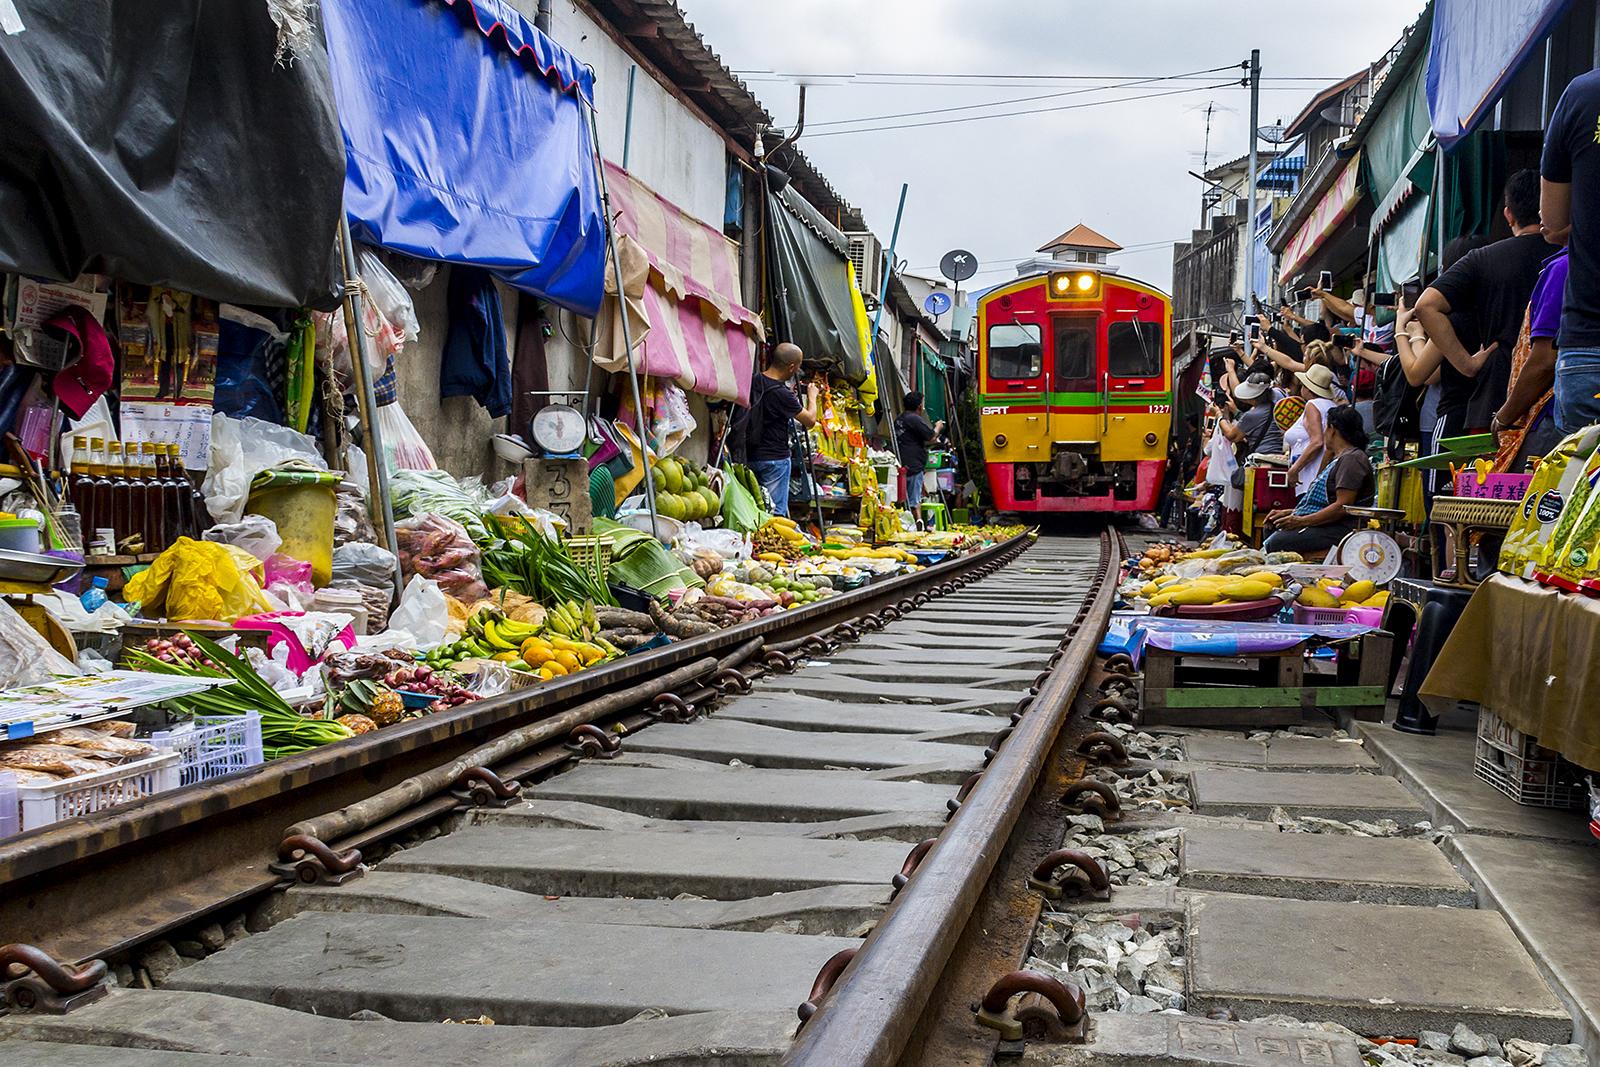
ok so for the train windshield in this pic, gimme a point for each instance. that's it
(1133, 349)
(1016, 350)
(1074, 366)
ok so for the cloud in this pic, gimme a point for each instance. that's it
(1002, 187)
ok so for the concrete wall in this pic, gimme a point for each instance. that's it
(671, 150)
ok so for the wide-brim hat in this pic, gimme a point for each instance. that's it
(1318, 379)
(1252, 387)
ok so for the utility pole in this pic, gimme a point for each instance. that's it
(1250, 222)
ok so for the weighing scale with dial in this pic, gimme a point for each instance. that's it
(558, 430)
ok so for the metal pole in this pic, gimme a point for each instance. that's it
(627, 119)
(1255, 123)
(627, 331)
(366, 400)
(883, 298)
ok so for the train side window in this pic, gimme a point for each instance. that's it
(1134, 349)
(1015, 350)
(1074, 366)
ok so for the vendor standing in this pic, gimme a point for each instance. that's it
(913, 434)
(773, 406)
(1320, 521)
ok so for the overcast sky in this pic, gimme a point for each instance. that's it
(1003, 186)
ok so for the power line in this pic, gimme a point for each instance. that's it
(965, 78)
(1011, 261)
(1003, 103)
(1030, 111)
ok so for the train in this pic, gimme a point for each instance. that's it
(1075, 400)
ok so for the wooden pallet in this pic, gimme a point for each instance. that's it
(1266, 689)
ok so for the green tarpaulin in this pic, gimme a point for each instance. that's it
(811, 287)
(933, 384)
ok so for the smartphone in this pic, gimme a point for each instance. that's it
(1233, 337)
(1325, 280)
(1255, 331)
(1384, 300)
(1412, 291)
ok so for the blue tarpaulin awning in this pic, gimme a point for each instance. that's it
(1476, 48)
(466, 142)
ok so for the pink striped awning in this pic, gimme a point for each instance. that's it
(685, 300)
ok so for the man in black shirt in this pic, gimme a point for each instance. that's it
(913, 433)
(1490, 287)
(1571, 202)
(773, 406)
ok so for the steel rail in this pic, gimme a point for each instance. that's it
(102, 883)
(872, 1014)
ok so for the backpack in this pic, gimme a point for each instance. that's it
(1397, 407)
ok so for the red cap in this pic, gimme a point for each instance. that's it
(82, 383)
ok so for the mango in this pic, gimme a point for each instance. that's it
(1273, 580)
(1247, 590)
(1312, 597)
(1203, 593)
(1376, 600)
(1356, 592)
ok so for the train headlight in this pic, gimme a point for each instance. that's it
(1078, 284)
(1151, 439)
(1000, 440)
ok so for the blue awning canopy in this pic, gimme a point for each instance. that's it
(1476, 48)
(466, 142)
(1282, 174)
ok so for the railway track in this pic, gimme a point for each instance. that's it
(872, 804)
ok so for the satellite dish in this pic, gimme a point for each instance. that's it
(937, 304)
(958, 265)
(1273, 134)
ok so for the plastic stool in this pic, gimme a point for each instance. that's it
(934, 516)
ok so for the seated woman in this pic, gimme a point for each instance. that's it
(1319, 521)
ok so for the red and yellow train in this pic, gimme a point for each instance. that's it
(1075, 392)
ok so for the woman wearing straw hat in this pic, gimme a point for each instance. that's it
(1303, 440)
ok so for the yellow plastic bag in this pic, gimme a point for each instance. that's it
(199, 580)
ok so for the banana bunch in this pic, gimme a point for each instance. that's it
(572, 620)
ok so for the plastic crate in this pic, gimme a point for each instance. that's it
(217, 745)
(1524, 770)
(42, 805)
(1308, 616)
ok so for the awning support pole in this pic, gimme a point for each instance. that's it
(627, 330)
(366, 399)
(883, 298)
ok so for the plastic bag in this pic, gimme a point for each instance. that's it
(286, 570)
(729, 544)
(25, 657)
(418, 492)
(199, 580)
(421, 614)
(741, 512)
(403, 446)
(108, 618)
(350, 521)
(358, 561)
(392, 300)
(256, 534)
(438, 548)
(243, 448)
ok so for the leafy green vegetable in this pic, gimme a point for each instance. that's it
(284, 731)
(538, 566)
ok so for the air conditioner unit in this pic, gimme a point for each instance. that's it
(867, 254)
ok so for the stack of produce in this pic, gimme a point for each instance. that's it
(555, 656)
(780, 540)
(1211, 589)
(1327, 593)
(525, 561)
(683, 491)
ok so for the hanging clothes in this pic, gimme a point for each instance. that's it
(477, 361)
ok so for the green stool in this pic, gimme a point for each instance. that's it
(934, 516)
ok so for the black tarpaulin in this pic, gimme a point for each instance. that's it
(811, 287)
(161, 142)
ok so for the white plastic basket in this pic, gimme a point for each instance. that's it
(45, 804)
(1522, 769)
(216, 745)
(10, 814)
